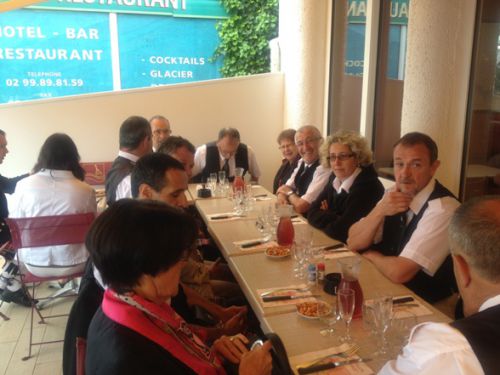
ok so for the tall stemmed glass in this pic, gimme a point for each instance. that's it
(346, 307)
(299, 256)
(382, 314)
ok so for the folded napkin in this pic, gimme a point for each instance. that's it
(354, 369)
(299, 220)
(338, 253)
(254, 249)
(410, 309)
(260, 199)
(230, 216)
(289, 290)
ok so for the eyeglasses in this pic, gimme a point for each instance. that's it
(307, 141)
(342, 157)
(284, 147)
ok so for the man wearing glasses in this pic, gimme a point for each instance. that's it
(309, 178)
(160, 130)
(405, 235)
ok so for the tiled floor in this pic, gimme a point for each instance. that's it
(14, 338)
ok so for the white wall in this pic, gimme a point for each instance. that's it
(196, 111)
(440, 38)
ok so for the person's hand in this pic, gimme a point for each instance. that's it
(5, 247)
(229, 312)
(282, 199)
(235, 325)
(324, 205)
(394, 202)
(231, 348)
(257, 361)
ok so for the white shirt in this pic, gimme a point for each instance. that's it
(428, 245)
(318, 182)
(200, 160)
(437, 348)
(53, 192)
(347, 183)
(124, 189)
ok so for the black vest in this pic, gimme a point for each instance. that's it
(284, 173)
(120, 168)
(212, 161)
(304, 178)
(395, 237)
(482, 331)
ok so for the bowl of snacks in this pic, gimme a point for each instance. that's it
(313, 310)
(278, 252)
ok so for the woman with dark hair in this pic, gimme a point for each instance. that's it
(353, 189)
(139, 248)
(56, 187)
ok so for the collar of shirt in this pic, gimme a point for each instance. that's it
(56, 173)
(490, 302)
(346, 185)
(223, 159)
(419, 200)
(128, 155)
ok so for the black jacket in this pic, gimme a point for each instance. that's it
(345, 209)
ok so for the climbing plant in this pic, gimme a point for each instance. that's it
(245, 34)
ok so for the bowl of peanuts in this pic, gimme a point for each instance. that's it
(278, 252)
(313, 309)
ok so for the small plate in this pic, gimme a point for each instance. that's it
(309, 310)
(278, 252)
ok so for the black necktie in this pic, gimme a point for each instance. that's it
(225, 167)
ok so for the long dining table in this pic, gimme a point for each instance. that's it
(256, 272)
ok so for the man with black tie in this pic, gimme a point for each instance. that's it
(467, 346)
(405, 235)
(227, 154)
(310, 177)
(135, 141)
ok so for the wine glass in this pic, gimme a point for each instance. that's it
(382, 315)
(345, 298)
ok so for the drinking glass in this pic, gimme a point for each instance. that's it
(330, 321)
(345, 300)
(264, 226)
(239, 202)
(382, 315)
(300, 258)
(212, 182)
(222, 178)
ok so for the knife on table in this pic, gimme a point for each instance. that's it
(396, 301)
(284, 298)
(334, 247)
(246, 245)
(327, 366)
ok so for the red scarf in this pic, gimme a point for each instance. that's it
(160, 324)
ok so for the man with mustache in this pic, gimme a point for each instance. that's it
(405, 235)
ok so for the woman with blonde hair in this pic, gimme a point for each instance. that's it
(353, 189)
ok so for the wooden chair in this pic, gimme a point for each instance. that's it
(42, 231)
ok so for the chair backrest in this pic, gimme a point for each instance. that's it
(81, 351)
(49, 230)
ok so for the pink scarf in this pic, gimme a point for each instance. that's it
(160, 324)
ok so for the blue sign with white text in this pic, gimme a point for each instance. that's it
(47, 54)
(157, 50)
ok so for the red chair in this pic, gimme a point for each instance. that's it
(45, 231)
(81, 351)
